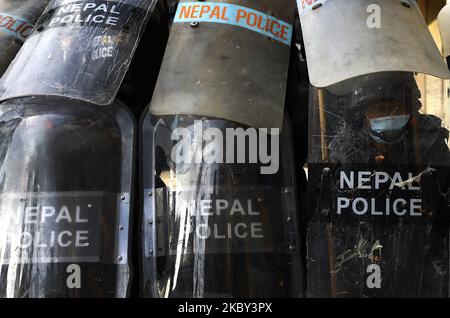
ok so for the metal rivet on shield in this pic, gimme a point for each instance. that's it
(194, 24)
(120, 258)
(326, 171)
(286, 191)
(150, 193)
(406, 4)
(150, 221)
(122, 198)
(291, 247)
(89, 205)
(289, 219)
(317, 6)
(86, 244)
(150, 251)
(121, 227)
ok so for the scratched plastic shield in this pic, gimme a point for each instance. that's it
(227, 60)
(378, 211)
(79, 49)
(17, 19)
(65, 205)
(345, 39)
(216, 229)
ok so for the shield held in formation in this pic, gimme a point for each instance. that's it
(65, 199)
(79, 49)
(378, 167)
(67, 161)
(215, 227)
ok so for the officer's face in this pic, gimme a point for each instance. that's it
(387, 121)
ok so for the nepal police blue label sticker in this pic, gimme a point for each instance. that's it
(232, 14)
(15, 26)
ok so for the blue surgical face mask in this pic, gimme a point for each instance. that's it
(389, 129)
(389, 123)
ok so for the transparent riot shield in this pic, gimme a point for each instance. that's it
(17, 19)
(65, 205)
(378, 192)
(345, 39)
(78, 49)
(216, 227)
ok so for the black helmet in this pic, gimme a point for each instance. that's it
(384, 86)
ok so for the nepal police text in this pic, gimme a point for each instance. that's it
(86, 13)
(371, 193)
(248, 225)
(46, 227)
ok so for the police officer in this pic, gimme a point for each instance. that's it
(378, 180)
(389, 168)
(383, 117)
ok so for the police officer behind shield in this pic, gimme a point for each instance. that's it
(384, 124)
(383, 132)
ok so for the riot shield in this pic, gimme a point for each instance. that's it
(378, 192)
(229, 60)
(346, 39)
(17, 19)
(65, 198)
(215, 227)
(78, 49)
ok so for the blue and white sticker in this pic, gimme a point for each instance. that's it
(15, 26)
(307, 5)
(226, 13)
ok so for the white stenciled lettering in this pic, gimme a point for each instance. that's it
(79, 13)
(371, 194)
(49, 239)
(64, 215)
(52, 226)
(47, 213)
(362, 180)
(64, 242)
(223, 219)
(379, 206)
(253, 230)
(81, 238)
